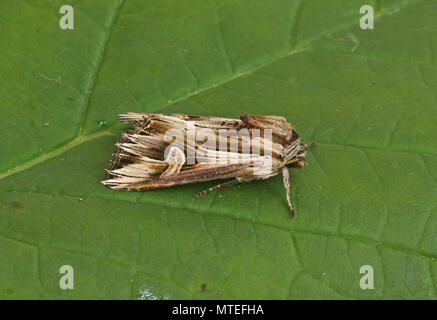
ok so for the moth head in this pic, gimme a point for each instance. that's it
(295, 155)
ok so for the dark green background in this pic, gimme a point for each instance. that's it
(367, 196)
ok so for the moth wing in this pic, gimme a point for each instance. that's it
(143, 118)
(282, 130)
(128, 178)
(139, 163)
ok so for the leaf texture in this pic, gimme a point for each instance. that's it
(367, 196)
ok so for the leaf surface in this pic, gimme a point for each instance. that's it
(367, 196)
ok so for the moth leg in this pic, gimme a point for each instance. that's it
(218, 186)
(286, 180)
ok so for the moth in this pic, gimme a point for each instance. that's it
(164, 150)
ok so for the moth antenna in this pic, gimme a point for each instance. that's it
(286, 181)
(306, 146)
(218, 186)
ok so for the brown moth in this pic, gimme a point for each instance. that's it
(164, 150)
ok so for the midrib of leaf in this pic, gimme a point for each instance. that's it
(369, 241)
(80, 138)
(58, 151)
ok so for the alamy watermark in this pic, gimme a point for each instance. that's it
(366, 281)
(366, 21)
(67, 280)
(67, 20)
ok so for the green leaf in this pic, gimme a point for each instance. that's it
(366, 197)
